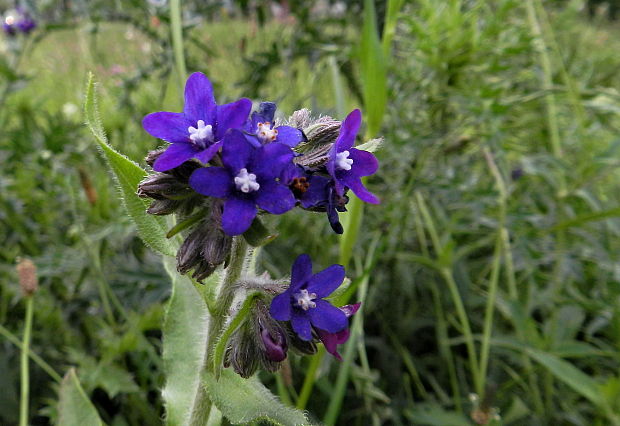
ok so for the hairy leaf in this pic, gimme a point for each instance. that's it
(152, 229)
(184, 350)
(74, 407)
(247, 400)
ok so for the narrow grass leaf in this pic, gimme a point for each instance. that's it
(373, 68)
(74, 407)
(570, 375)
(248, 400)
(151, 229)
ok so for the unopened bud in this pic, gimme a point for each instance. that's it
(160, 186)
(27, 274)
(163, 207)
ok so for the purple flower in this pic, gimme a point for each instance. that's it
(332, 340)
(347, 165)
(26, 24)
(248, 179)
(302, 303)
(315, 192)
(9, 28)
(197, 131)
(261, 131)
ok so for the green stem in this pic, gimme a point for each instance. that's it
(226, 295)
(335, 403)
(485, 347)
(36, 358)
(176, 28)
(202, 405)
(25, 374)
(446, 274)
(467, 334)
(311, 371)
(547, 78)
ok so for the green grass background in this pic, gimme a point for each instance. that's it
(495, 271)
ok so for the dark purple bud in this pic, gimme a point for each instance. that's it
(275, 346)
(517, 173)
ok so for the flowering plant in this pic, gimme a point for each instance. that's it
(223, 169)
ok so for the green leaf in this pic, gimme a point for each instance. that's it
(434, 414)
(258, 235)
(246, 400)
(373, 70)
(152, 229)
(74, 407)
(566, 372)
(372, 145)
(184, 350)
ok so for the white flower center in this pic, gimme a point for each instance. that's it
(201, 134)
(246, 182)
(265, 133)
(305, 299)
(343, 162)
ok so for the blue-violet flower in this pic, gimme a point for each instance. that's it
(302, 303)
(248, 179)
(198, 130)
(332, 340)
(347, 165)
(261, 130)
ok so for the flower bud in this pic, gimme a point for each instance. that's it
(259, 342)
(160, 186)
(204, 249)
(163, 207)
(27, 274)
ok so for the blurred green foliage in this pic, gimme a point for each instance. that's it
(473, 194)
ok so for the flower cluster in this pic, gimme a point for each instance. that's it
(18, 20)
(224, 166)
(298, 317)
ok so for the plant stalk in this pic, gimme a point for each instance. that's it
(25, 373)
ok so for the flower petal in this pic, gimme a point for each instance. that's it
(199, 100)
(327, 317)
(332, 340)
(174, 156)
(364, 163)
(280, 308)
(271, 160)
(289, 136)
(317, 192)
(325, 282)
(211, 181)
(231, 116)
(169, 126)
(350, 310)
(348, 131)
(207, 154)
(301, 271)
(238, 215)
(236, 151)
(301, 325)
(274, 197)
(359, 189)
